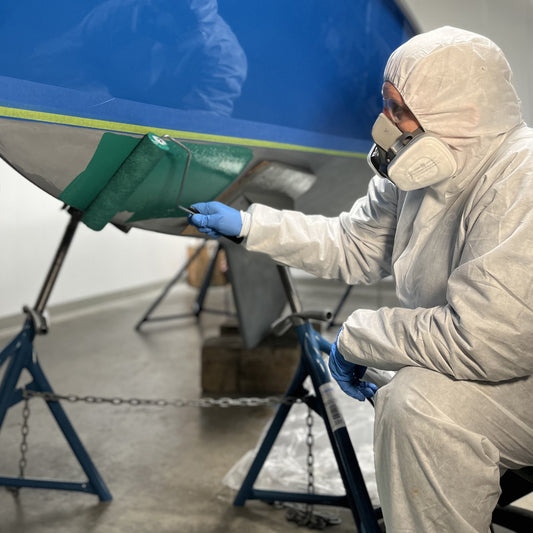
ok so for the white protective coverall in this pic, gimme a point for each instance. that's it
(458, 411)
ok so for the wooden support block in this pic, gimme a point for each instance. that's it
(220, 364)
(229, 368)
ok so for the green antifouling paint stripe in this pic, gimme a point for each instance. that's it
(53, 118)
(131, 173)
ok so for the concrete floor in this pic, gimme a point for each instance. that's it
(164, 466)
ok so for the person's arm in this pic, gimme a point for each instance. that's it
(355, 247)
(485, 330)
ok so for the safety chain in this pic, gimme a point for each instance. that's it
(308, 516)
(179, 402)
(305, 517)
(310, 459)
(223, 402)
(24, 430)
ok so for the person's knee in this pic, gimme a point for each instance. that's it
(425, 409)
(398, 404)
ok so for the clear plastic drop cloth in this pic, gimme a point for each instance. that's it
(285, 468)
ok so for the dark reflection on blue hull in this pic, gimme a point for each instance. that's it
(308, 65)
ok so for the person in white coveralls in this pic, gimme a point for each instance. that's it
(449, 214)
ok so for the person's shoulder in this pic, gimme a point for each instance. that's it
(508, 179)
(514, 158)
(520, 141)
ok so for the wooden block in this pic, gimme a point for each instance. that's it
(229, 368)
(267, 369)
(230, 327)
(220, 365)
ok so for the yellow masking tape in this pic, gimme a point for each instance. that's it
(39, 116)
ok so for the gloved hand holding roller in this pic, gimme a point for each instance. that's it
(216, 219)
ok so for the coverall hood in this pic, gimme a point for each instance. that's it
(458, 84)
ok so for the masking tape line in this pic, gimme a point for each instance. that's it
(53, 118)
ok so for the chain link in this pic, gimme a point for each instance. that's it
(223, 402)
(307, 516)
(304, 517)
(316, 520)
(24, 430)
(310, 458)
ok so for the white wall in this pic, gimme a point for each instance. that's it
(507, 22)
(31, 226)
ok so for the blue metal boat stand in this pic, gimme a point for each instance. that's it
(198, 305)
(19, 355)
(332, 323)
(324, 404)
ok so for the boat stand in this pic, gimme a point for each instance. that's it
(324, 404)
(332, 322)
(19, 355)
(198, 305)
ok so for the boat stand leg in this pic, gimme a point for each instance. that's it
(168, 286)
(15, 356)
(324, 403)
(295, 390)
(19, 355)
(198, 306)
(340, 304)
(21, 358)
(358, 499)
(97, 484)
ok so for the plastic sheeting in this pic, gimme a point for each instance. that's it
(286, 466)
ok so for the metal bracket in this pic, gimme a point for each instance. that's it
(40, 323)
(282, 325)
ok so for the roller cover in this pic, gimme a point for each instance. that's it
(131, 173)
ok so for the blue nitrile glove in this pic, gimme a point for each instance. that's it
(348, 375)
(216, 219)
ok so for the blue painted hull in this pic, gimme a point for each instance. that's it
(298, 81)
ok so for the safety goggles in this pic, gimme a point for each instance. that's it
(397, 111)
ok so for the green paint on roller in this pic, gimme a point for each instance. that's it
(133, 171)
(127, 175)
(112, 150)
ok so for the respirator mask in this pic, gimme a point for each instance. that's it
(411, 160)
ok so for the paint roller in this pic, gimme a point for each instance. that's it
(131, 173)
